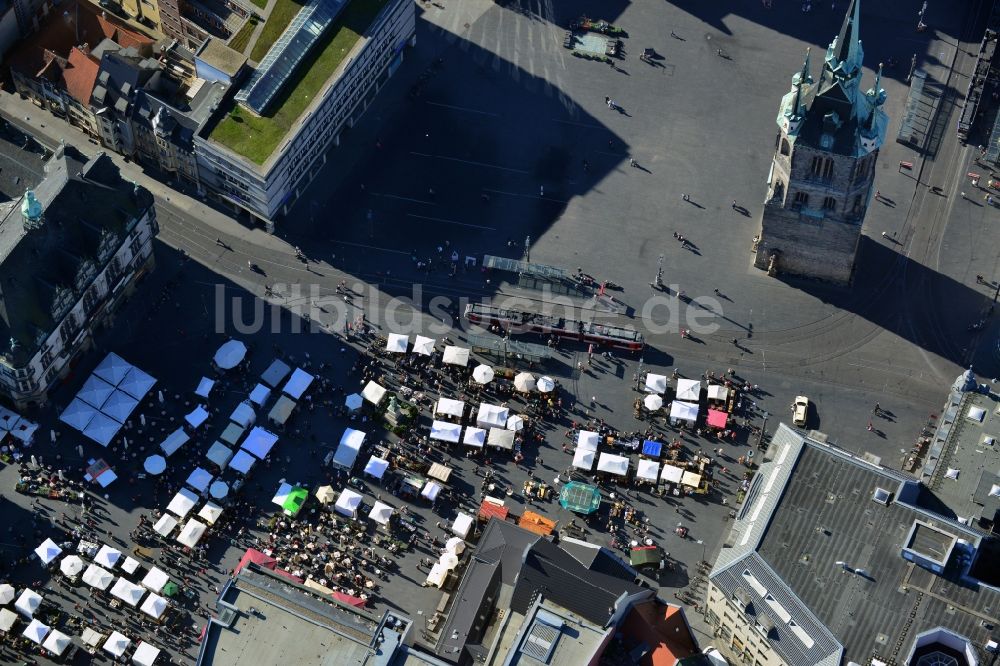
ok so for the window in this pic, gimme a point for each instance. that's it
(822, 167)
(785, 148)
(779, 190)
(801, 198)
(856, 209)
(829, 203)
(67, 329)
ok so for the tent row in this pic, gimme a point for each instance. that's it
(107, 399)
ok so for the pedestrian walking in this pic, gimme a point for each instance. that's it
(631, 162)
(735, 206)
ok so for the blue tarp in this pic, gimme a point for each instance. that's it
(651, 448)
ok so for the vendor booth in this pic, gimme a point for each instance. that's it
(688, 390)
(347, 451)
(446, 431)
(298, 384)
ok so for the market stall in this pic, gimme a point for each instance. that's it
(613, 464)
(191, 533)
(656, 383)
(683, 411)
(259, 442)
(717, 418)
(446, 431)
(28, 603)
(587, 440)
(423, 346)
(396, 343)
(174, 441)
(98, 577)
(652, 448)
(182, 503)
(260, 394)
(462, 524)
(275, 373)
(205, 386)
(381, 513)
(347, 451)
(671, 474)
(450, 407)
(282, 410)
(348, 503)
(376, 467)
(298, 384)
(501, 438)
(688, 390)
(107, 556)
(199, 479)
(244, 415)
(242, 462)
(456, 356)
(474, 437)
(47, 551)
(127, 591)
(220, 454)
(210, 513)
(648, 470)
(155, 579)
(440, 472)
(373, 392)
(583, 459)
(197, 417)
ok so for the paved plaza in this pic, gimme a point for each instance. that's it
(490, 134)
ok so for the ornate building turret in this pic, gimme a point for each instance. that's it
(823, 168)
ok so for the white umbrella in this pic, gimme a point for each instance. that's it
(155, 464)
(230, 354)
(653, 402)
(6, 593)
(524, 382)
(71, 565)
(545, 384)
(354, 401)
(515, 423)
(483, 374)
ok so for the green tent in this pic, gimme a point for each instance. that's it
(296, 498)
(580, 497)
(170, 589)
(644, 556)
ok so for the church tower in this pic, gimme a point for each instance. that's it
(820, 183)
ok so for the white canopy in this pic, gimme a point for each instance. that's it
(298, 383)
(155, 579)
(47, 551)
(57, 642)
(130, 565)
(462, 525)
(174, 441)
(230, 354)
(145, 654)
(259, 394)
(450, 407)
(648, 469)
(117, 644)
(275, 373)
(242, 462)
(91, 637)
(165, 525)
(588, 440)
(609, 462)
(380, 513)
(347, 451)
(515, 423)
(492, 415)
(501, 437)
(430, 490)
(182, 503)
(155, 464)
(671, 473)
(154, 605)
(424, 346)
(95, 391)
(652, 402)
(97, 577)
(354, 401)
(545, 384)
(71, 565)
(107, 556)
(119, 406)
(7, 620)
(397, 343)
(6, 593)
(218, 489)
(373, 393)
(437, 575)
(78, 415)
(259, 442)
(656, 383)
(284, 490)
(199, 479)
(324, 494)
(191, 533)
(137, 383)
(210, 512)
(127, 591)
(28, 602)
(455, 545)
(685, 411)
(456, 356)
(36, 632)
(348, 503)
(376, 467)
(483, 374)
(474, 437)
(205, 386)
(244, 415)
(583, 458)
(445, 431)
(220, 454)
(688, 389)
(718, 392)
(113, 368)
(692, 479)
(102, 429)
(524, 382)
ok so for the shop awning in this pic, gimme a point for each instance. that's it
(537, 523)
(490, 509)
(717, 418)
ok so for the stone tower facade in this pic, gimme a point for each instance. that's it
(822, 173)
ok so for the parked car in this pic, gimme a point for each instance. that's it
(800, 411)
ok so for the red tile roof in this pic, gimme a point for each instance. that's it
(663, 628)
(79, 75)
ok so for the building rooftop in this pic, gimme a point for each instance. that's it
(816, 555)
(215, 53)
(548, 634)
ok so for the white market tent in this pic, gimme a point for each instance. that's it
(348, 503)
(6, 593)
(174, 441)
(430, 490)
(656, 383)
(165, 525)
(354, 401)
(672, 473)
(545, 384)
(182, 503)
(113, 369)
(515, 423)
(244, 415)
(95, 391)
(450, 407)
(259, 442)
(155, 464)
(524, 382)
(119, 406)
(396, 343)
(718, 392)
(501, 437)
(583, 458)
(380, 513)
(57, 642)
(47, 551)
(456, 356)
(446, 431)
(97, 577)
(102, 429)
(242, 462)
(609, 462)
(648, 469)
(36, 631)
(474, 437)
(130, 565)
(28, 603)
(376, 467)
(373, 393)
(127, 591)
(210, 513)
(71, 565)
(145, 654)
(107, 556)
(154, 605)
(191, 533)
(78, 414)
(685, 411)
(688, 389)
(652, 402)
(284, 490)
(137, 383)
(298, 383)
(117, 644)
(7, 620)
(199, 479)
(259, 394)
(347, 451)
(205, 386)
(483, 374)
(493, 416)
(691, 479)
(220, 454)
(423, 346)
(587, 440)
(462, 525)
(230, 354)
(155, 579)
(197, 417)
(275, 373)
